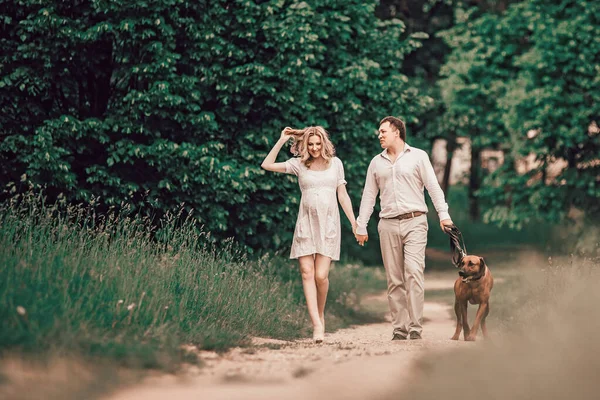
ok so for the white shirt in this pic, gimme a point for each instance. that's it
(400, 185)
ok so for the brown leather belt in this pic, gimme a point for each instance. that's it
(408, 215)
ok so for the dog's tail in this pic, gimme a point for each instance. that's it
(457, 244)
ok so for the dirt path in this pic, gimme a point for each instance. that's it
(355, 363)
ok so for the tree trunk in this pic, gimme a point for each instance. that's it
(474, 182)
(450, 147)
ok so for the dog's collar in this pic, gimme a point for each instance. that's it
(470, 279)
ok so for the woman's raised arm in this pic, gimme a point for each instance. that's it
(269, 162)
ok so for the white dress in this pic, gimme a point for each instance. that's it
(318, 223)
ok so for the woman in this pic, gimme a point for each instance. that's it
(317, 234)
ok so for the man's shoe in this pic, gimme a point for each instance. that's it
(398, 336)
(415, 335)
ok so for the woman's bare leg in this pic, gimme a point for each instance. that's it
(322, 264)
(307, 269)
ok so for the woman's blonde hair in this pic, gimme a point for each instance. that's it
(300, 146)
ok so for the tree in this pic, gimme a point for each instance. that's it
(475, 76)
(532, 68)
(554, 97)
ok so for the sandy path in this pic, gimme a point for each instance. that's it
(355, 363)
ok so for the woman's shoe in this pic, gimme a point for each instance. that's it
(318, 334)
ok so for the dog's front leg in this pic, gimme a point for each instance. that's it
(483, 327)
(481, 311)
(457, 311)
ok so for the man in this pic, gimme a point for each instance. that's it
(399, 174)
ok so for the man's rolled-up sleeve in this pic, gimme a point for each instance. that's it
(433, 187)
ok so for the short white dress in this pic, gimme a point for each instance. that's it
(318, 224)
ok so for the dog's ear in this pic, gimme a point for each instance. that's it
(481, 265)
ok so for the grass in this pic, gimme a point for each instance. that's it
(119, 288)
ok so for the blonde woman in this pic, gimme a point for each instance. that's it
(317, 235)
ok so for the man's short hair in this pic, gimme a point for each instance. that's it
(398, 124)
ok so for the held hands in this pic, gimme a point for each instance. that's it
(360, 239)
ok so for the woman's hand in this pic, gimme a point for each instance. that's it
(269, 163)
(285, 135)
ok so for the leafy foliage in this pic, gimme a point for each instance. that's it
(167, 102)
(555, 95)
(532, 68)
(475, 76)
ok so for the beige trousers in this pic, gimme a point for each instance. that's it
(403, 250)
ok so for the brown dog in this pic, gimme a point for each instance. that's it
(474, 286)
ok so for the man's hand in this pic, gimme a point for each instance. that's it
(444, 223)
(361, 239)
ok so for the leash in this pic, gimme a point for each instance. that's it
(457, 244)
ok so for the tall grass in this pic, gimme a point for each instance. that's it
(121, 287)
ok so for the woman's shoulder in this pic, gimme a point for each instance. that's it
(293, 165)
(336, 160)
(295, 160)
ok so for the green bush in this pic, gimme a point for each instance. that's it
(168, 102)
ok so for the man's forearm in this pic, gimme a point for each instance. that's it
(435, 191)
(367, 205)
